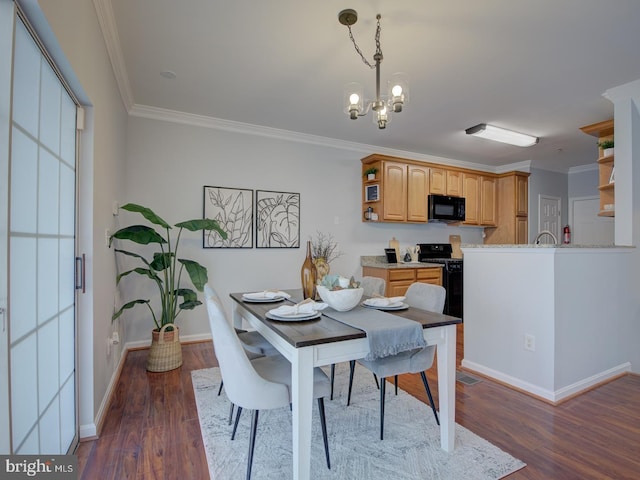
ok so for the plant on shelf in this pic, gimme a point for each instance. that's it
(370, 173)
(165, 269)
(606, 144)
(607, 147)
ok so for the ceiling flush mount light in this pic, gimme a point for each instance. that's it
(497, 134)
(398, 93)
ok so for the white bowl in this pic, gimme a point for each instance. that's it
(340, 300)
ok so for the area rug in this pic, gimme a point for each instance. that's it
(410, 449)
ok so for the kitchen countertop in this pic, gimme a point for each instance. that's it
(541, 245)
(380, 261)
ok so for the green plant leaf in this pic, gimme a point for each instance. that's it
(197, 273)
(146, 213)
(202, 224)
(141, 271)
(139, 234)
(161, 261)
(132, 254)
(127, 306)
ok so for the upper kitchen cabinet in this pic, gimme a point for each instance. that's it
(513, 210)
(443, 181)
(401, 187)
(480, 194)
(603, 131)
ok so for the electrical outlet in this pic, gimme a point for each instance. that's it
(529, 342)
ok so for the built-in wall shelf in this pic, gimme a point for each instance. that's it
(606, 167)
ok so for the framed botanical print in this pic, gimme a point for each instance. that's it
(277, 219)
(232, 208)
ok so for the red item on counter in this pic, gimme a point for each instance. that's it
(567, 235)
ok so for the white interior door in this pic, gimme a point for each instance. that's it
(549, 216)
(41, 307)
(587, 228)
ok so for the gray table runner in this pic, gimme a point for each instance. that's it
(387, 334)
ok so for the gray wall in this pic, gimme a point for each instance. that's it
(169, 163)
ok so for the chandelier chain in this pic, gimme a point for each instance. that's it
(378, 53)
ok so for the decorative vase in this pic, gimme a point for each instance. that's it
(308, 275)
(322, 268)
(607, 152)
(371, 176)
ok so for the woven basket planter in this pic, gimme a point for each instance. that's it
(166, 352)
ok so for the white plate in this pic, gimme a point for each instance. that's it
(260, 298)
(393, 306)
(297, 317)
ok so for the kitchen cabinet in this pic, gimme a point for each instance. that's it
(606, 184)
(398, 279)
(443, 181)
(399, 192)
(403, 190)
(513, 210)
(479, 192)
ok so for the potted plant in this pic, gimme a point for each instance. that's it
(165, 269)
(607, 147)
(370, 173)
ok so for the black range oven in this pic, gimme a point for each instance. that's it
(451, 273)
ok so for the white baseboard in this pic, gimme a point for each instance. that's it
(552, 396)
(90, 430)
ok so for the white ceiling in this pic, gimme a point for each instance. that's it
(537, 66)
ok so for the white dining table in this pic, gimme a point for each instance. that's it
(326, 341)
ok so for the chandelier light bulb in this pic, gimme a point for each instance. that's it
(354, 99)
(396, 90)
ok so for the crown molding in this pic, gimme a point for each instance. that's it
(107, 23)
(155, 113)
(583, 168)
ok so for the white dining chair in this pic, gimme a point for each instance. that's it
(371, 286)
(254, 343)
(260, 384)
(419, 295)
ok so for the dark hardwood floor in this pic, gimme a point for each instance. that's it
(152, 432)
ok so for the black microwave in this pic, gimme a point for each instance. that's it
(443, 208)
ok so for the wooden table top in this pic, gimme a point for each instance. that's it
(328, 330)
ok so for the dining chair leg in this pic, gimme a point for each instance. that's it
(323, 424)
(333, 376)
(220, 389)
(395, 381)
(375, 377)
(428, 390)
(383, 382)
(235, 425)
(252, 441)
(352, 367)
(231, 413)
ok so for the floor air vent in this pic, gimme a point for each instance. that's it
(466, 378)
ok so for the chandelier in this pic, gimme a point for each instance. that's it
(398, 87)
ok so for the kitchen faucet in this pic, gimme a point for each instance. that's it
(542, 234)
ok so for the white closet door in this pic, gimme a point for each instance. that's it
(42, 198)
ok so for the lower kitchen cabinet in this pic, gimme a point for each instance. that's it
(398, 280)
